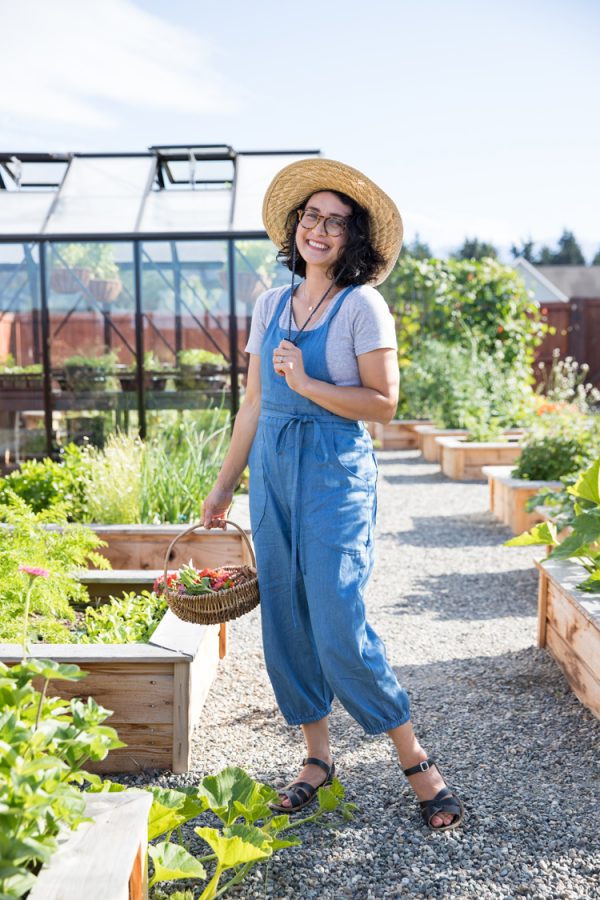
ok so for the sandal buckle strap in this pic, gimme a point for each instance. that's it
(423, 766)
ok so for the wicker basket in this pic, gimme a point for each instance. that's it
(222, 606)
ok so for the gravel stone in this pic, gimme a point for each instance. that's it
(457, 612)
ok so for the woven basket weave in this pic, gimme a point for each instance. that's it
(222, 606)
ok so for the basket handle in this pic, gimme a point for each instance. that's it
(199, 525)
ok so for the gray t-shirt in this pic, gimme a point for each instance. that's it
(363, 323)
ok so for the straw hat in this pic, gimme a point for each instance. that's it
(301, 179)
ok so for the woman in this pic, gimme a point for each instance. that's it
(322, 360)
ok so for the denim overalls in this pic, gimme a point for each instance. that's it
(312, 506)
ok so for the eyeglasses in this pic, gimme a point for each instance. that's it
(333, 225)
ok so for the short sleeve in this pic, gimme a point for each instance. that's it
(263, 311)
(373, 326)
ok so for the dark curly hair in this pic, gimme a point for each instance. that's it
(359, 261)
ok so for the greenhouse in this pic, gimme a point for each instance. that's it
(127, 283)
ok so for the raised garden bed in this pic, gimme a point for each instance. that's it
(569, 627)
(509, 496)
(426, 436)
(156, 690)
(399, 434)
(104, 858)
(144, 546)
(464, 460)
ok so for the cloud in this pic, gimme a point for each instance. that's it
(70, 62)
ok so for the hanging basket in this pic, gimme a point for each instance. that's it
(220, 606)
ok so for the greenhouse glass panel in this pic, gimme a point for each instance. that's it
(186, 322)
(254, 173)
(21, 405)
(24, 212)
(202, 210)
(91, 311)
(101, 195)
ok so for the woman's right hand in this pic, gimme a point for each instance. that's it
(215, 507)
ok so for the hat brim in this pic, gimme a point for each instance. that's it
(301, 179)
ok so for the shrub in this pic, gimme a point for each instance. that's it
(466, 387)
(448, 299)
(550, 457)
(44, 483)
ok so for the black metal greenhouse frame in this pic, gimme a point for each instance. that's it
(162, 173)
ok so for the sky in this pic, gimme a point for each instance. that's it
(479, 118)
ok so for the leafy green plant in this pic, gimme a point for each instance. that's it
(46, 742)
(464, 386)
(33, 369)
(129, 619)
(583, 544)
(562, 439)
(198, 357)
(44, 483)
(446, 299)
(550, 457)
(241, 842)
(59, 551)
(104, 362)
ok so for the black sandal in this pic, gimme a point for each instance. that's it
(301, 793)
(445, 801)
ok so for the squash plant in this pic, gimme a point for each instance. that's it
(583, 544)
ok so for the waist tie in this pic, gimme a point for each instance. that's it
(294, 426)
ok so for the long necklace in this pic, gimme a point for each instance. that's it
(320, 303)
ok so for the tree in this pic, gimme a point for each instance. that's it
(568, 252)
(596, 259)
(417, 249)
(473, 248)
(525, 251)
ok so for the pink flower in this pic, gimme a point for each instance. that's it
(35, 571)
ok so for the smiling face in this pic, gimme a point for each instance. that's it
(315, 246)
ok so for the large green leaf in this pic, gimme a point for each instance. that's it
(588, 484)
(592, 584)
(172, 861)
(15, 882)
(234, 786)
(237, 844)
(544, 533)
(588, 525)
(171, 808)
(573, 545)
(49, 668)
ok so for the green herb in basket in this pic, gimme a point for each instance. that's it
(193, 581)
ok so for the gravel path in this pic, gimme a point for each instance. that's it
(457, 611)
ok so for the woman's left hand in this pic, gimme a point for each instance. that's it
(287, 361)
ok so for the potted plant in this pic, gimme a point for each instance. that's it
(198, 369)
(88, 373)
(105, 284)
(72, 272)
(155, 374)
(19, 378)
